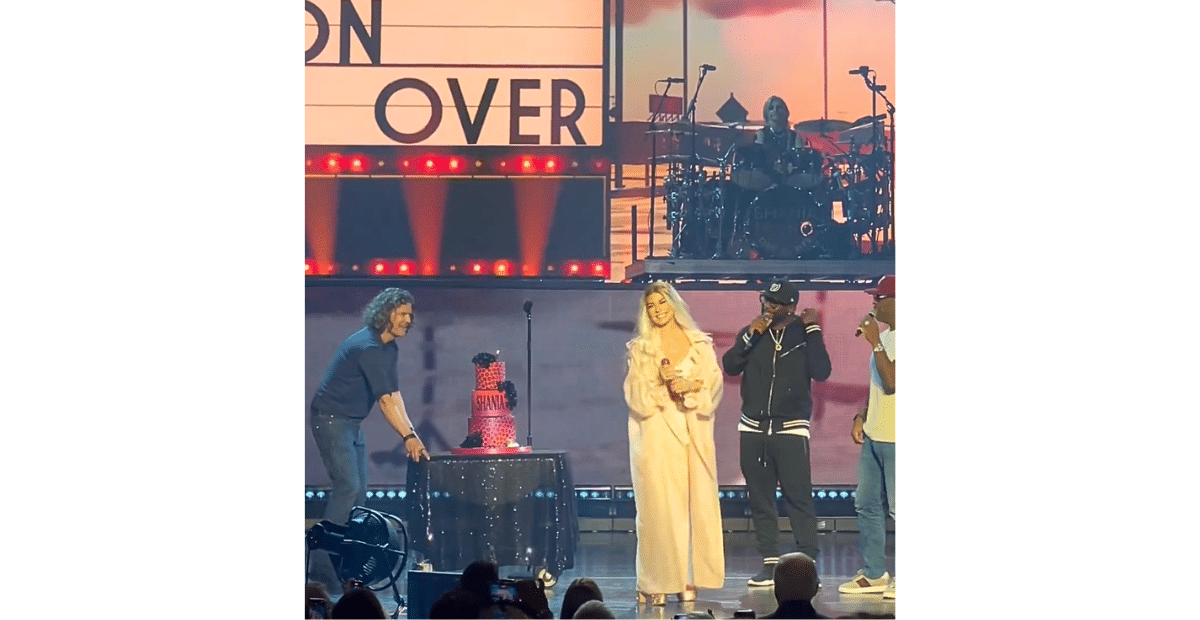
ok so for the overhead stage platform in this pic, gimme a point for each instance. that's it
(849, 273)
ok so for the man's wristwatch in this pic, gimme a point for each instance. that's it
(409, 436)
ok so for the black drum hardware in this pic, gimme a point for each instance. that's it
(798, 203)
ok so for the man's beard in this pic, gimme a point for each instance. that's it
(775, 316)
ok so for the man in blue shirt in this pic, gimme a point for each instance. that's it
(362, 373)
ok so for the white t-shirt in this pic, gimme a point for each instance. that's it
(881, 407)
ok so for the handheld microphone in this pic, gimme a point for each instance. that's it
(708, 67)
(528, 306)
(770, 319)
(666, 371)
(860, 71)
(858, 332)
(672, 81)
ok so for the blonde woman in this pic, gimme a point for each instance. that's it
(672, 387)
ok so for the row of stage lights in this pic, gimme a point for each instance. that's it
(336, 163)
(721, 494)
(391, 494)
(502, 268)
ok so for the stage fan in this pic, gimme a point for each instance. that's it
(372, 547)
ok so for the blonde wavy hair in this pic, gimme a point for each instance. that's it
(786, 112)
(682, 315)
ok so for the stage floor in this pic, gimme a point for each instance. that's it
(607, 558)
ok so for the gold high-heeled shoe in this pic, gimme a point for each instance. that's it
(688, 595)
(657, 600)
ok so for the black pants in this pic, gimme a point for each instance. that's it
(768, 460)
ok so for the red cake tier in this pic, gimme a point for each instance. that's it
(487, 378)
(489, 404)
(497, 432)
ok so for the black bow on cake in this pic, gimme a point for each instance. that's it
(510, 393)
(483, 360)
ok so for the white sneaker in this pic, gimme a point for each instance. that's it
(890, 591)
(862, 585)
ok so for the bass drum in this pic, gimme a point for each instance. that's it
(785, 223)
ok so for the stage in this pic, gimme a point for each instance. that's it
(852, 273)
(608, 558)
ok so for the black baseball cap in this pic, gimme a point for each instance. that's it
(781, 292)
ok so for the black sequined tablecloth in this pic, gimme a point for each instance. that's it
(516, 510)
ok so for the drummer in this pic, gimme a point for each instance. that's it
(777, 137)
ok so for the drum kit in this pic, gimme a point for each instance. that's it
(795, 204)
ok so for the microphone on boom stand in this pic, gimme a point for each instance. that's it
(529, 372)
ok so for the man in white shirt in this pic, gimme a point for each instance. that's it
(875, 430)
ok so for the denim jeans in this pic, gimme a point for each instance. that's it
(876, 488)
(343, 449)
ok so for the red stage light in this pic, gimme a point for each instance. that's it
(600, 164)
(572, 268)
(314, 268)
(527, 164)
(332, 163)
(454, 164)
(428, 165)
(406, 267)
(477, 268)
(502, 268)
(380, 267)
(358, 164)
(404, 164)
(551, 165)
(601, 269)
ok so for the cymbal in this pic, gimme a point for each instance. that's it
(742, 126)
(670, 125)
(822, 125)
(867, 119)
(684, 158)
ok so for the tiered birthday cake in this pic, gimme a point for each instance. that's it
(491, 428)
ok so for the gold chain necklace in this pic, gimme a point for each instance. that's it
(778, 340)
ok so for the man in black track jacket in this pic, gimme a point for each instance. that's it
(778, 355)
